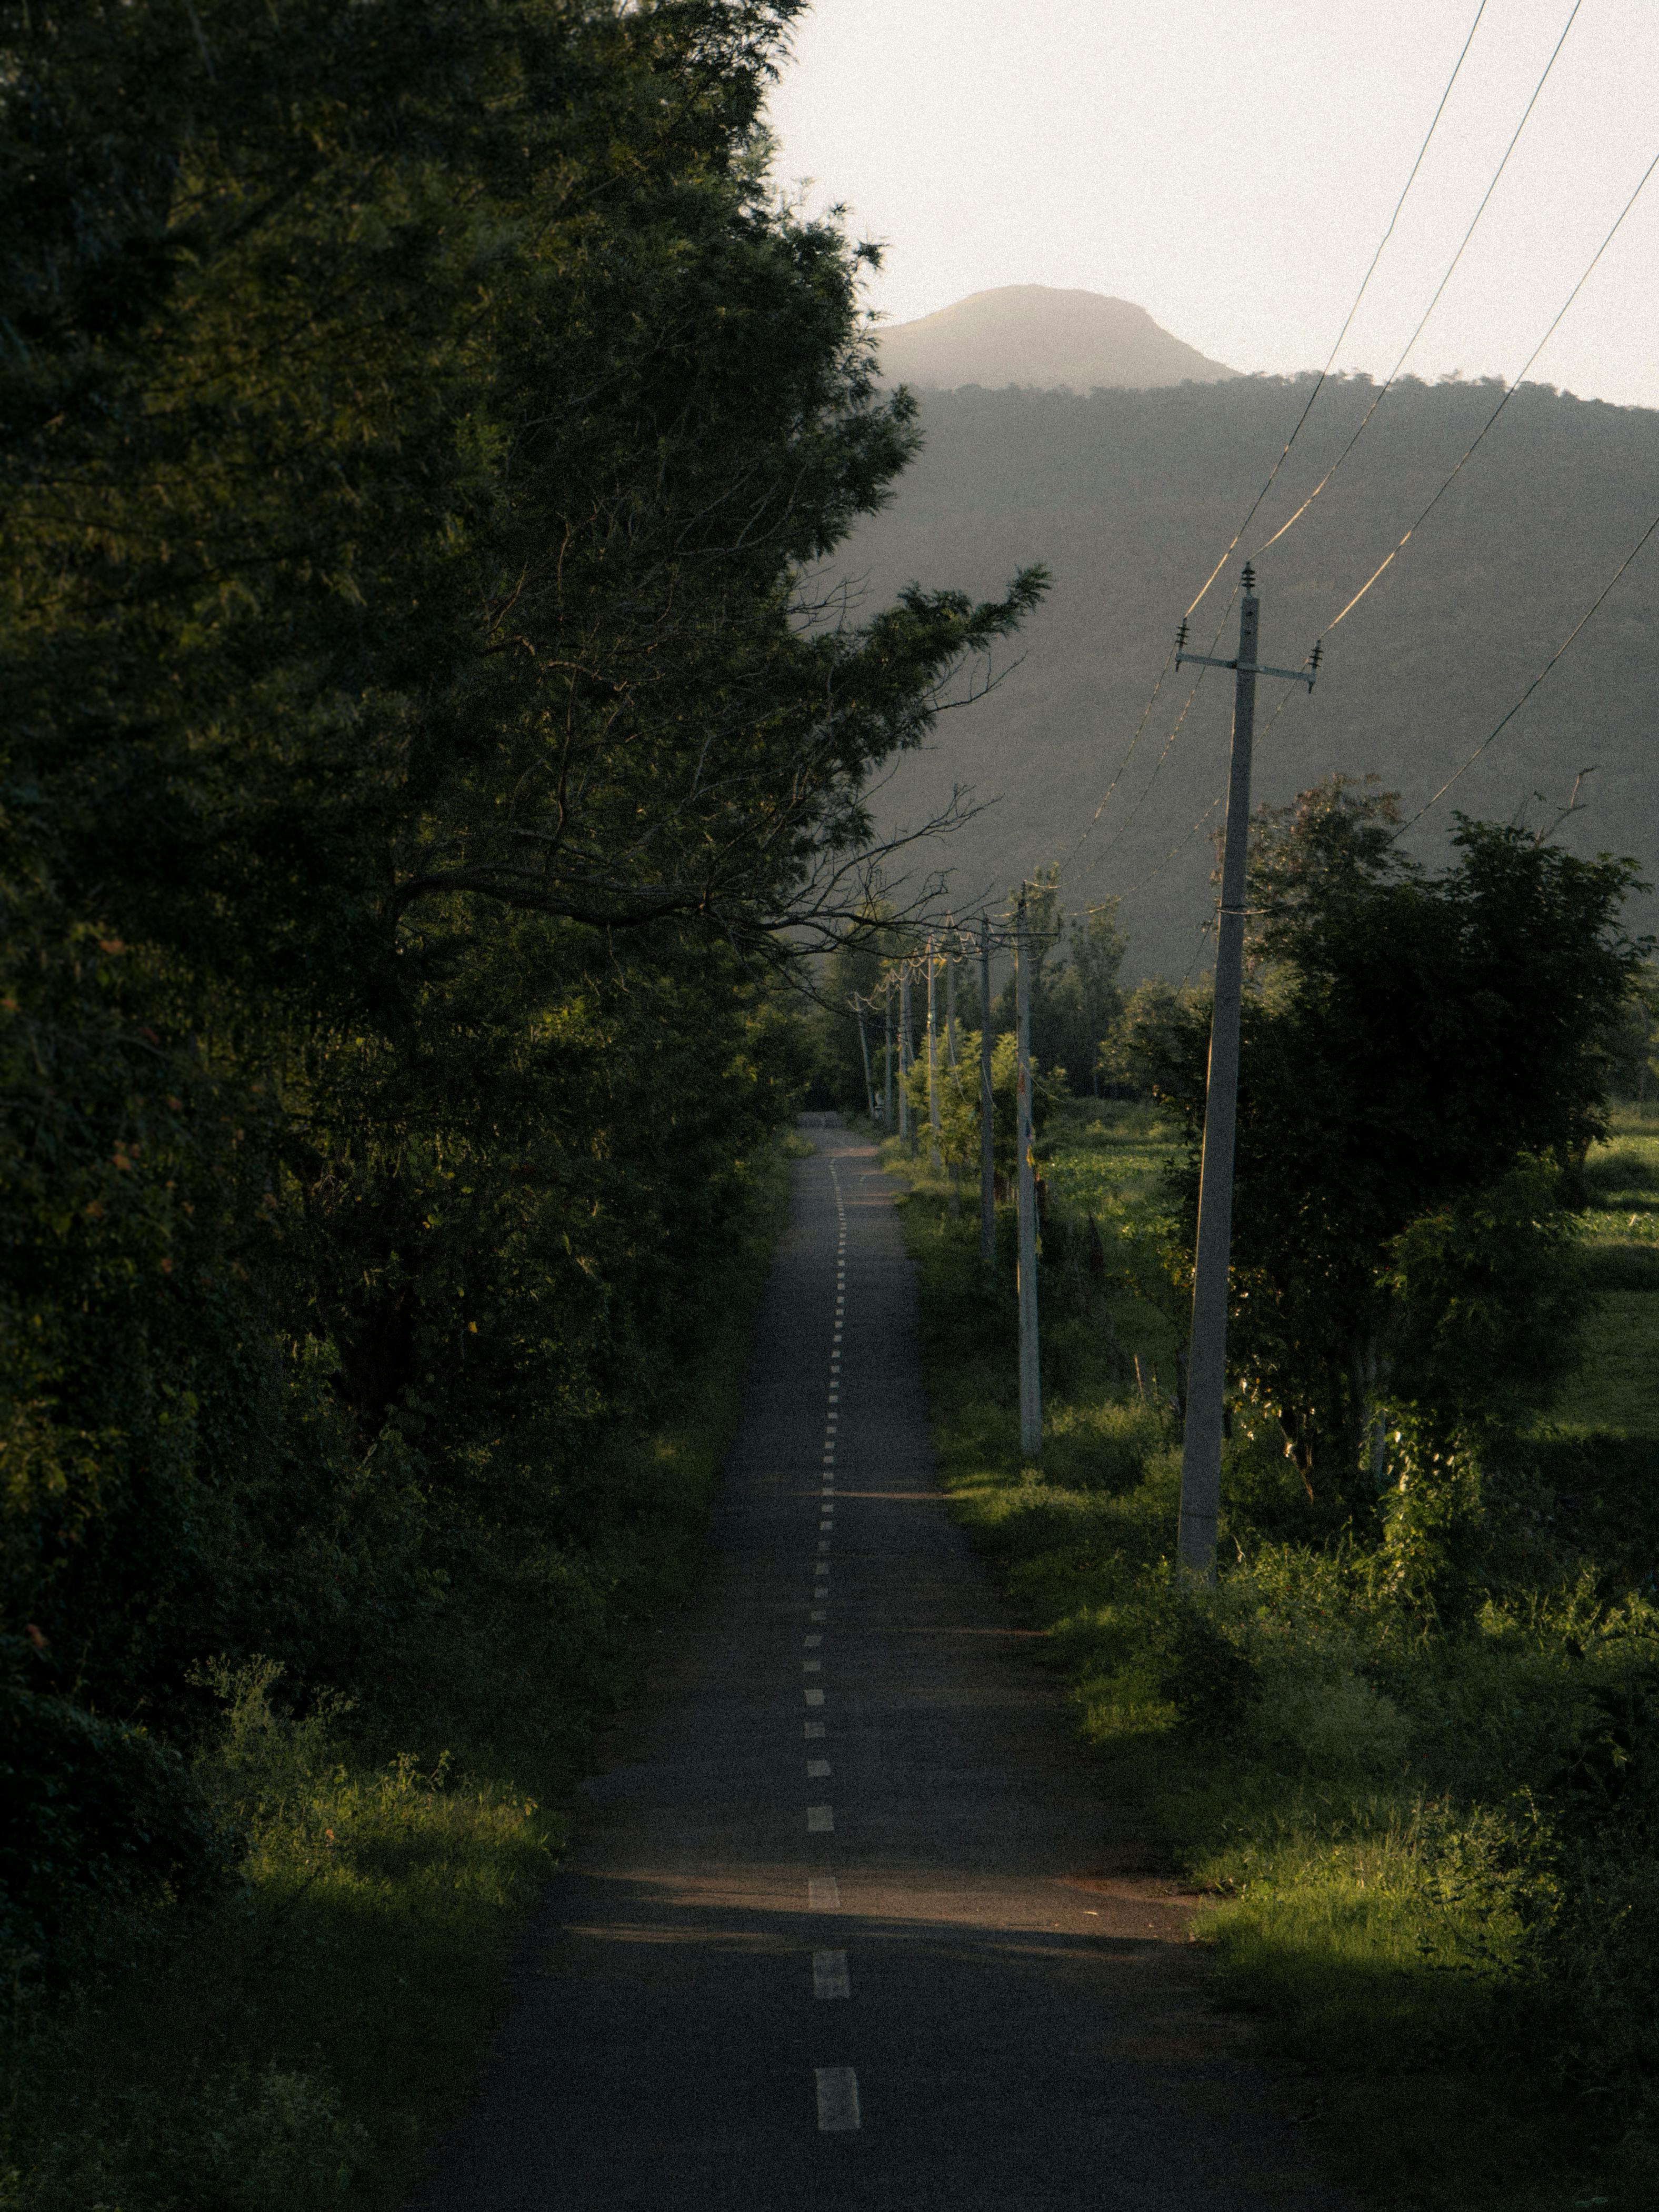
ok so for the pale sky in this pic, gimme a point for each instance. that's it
(1231, 169)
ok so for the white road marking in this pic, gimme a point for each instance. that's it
(820, 1820)
(823, 1893)
(813, 1697)
(822, 1543)
(817, 1769)
(814, 1729)
(829, 1974)
(838, 2099)
(811, 1641)
(812, 1666)
(815, 1615)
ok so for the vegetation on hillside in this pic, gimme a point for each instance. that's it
(1131, 497)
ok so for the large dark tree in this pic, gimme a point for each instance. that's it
(1421, 1056)
(421, 428)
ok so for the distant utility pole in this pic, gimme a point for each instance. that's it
(987, 1186)
(1030, 1378)
(864, 1046)
(950, 1057)
(887, 1069)
(1207, 1364)
(935, 1159)
(906, 1061)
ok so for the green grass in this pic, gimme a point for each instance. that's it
(294, 2042)
(1353, 1784)
(1616, 1388)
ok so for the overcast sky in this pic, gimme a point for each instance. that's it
(1231, 169)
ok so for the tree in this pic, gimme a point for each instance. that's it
(1413, 1045)
(418, 423)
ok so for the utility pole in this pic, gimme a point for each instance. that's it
(988, 1187)
(1030, 1378)
(907, 1061)
(950, 1003)
(864, 1048)
(951, 1058)
(934, 1159)
(887, 1068)
(1206, 1362)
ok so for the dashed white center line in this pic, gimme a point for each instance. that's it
(813, 1730)
(811, 1641)
(812, 1666)
(820, 1820)
(813, 1697)
(838, 2099)
(822, 1894)
(815, 1616)
(829, 1974)
(817, 1769)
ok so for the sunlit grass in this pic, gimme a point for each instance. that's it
(294, 2043)
(1355, 1819)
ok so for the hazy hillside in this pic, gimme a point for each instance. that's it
(1130, 496)
(1037, 335)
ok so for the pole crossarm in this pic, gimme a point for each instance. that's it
(1250, 666)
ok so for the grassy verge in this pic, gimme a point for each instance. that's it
(293, 2041)
(1428, 1884)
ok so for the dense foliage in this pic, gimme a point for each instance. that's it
(415, 423)
(1425, 1061)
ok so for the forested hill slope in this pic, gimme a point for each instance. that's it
(1130, 496)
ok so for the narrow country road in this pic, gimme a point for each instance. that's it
(847, 1924)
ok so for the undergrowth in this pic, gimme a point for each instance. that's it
(291, 2037)
(1429, 1831)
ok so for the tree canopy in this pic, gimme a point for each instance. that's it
(419, 424)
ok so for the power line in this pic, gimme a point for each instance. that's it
(1319, 386)
(1324, 374)
(1589, 612)
(1387, 386)
(1508, 394)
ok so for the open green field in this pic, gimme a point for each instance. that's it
(1385, 1800)
(1616, 1386)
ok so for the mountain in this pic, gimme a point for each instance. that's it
(1130, 498)
(1038, 335)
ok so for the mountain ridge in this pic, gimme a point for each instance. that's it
(1043, 337)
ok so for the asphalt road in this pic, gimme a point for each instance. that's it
(849, 1922)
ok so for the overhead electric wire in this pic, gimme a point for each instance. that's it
(1319, 384)
(1384, 389)
(1498, 728)
(1324, 374)
(1509, 391)
(1393, 375)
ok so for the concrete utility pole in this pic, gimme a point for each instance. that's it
(907, 1061)
(887, 1068)
(1030, 1377)
(987, 1185)
(864, 1046)
(935, 1159)
(950, 1057)
(1207, 1363)
(903, 1056)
